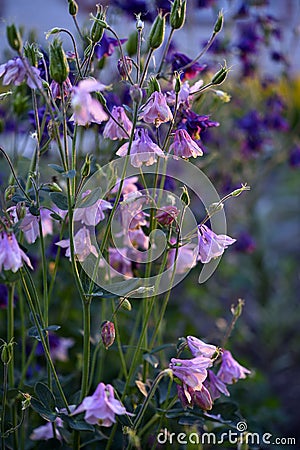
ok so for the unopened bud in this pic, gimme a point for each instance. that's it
(125, 67)
(177, 86)
(32, 53)
(221, 75)
(73, 8)
(7, 352)
(59, 67)
(125, 304)
(26, 402)
(14, 38)
(157, 32)
(237, 192)
(21, 210)
(185, 198)
(219, 23)
(153, 86)
(136, 94)
(108, 333)
(86, 168)
(9, 193)
(177, 15)
(99, 24)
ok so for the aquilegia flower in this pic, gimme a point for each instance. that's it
(211, 245)
(165, 215)
(92, 215)
(15, 72)
(192, 372)
(200, 348)
(86, 108)
(101, 407)
(112, 130)
(11, 255)
(45, 432)
(143, 149)
(82, 245)
(184, 146)
(215, 386)
(156, 110)
(230, 370)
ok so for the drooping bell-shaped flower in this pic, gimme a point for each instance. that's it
(212, 245)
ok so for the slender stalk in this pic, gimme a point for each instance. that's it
(10, 331)
(86, 349)
(122, 54)
(165, 51)
(144, 73)
(4, 396)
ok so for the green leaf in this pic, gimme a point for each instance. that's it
(56, 217)
(60, 200)
(45, 395)
(151, 359)
(57, 168)
(70, 174)
(34, 210)
(89, 199)
(77, 424)
(227, 410)
(19, 198)
(42, 410)
(53, 327)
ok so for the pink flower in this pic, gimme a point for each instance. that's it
(186, 258)
(14, 72)
(131, 209)
(202, 398)
(212, 245)
(82, 245)
(101, 407)
(92, 215)
(143, 149)
(200, 348)
(215, 385)
(128, 186)
(119, 262)
(86, 108)
(166, 215)
(11, 255)
(230, 370)
(29, 225)
(184, 146)
(137, 238)
(192, 372)
(45, 432)
(114, 131)
(156, 110)
(55, 89)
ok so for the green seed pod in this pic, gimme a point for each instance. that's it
(86, 168)
(32, 53)
(7, 352)
(153, 86)
(157, 32)
(59, 67)
(14, 38)
(98, 28)
(185, 198)
(220, 76)
(178, 13)
(219, 23)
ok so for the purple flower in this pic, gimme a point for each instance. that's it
(196, 124)
(119, 262)
(294, 158)
(186, 258)
(215, 386)
(55, 88)
(106, 46)
(92, 215)
(101, 407)
(45, 432)
(166, 215)
(200, 348)
(87, 109)
(202, 398)
(11, 255)
(212, 245)
(156, 110)
(82, 245)
(179, 60)
(128, 186)
(230, 370)
(192, 372)
(15, 72)
(59, 347)
(143, 149)
(114, 131)
(184, 147)
(30, 223)
(132, 214)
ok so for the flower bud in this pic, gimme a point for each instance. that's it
(14, 38)
(177, 15)
(139, 23)
(219, 23)
(32, 53)
(177, 86)
(136, 94)
(157, 32)
(185, 198)
(7, 352)
(125, 304)
(59, 67)
(9, 193)
(108, 333)
(86, 168)
(221, 75)
(73, 8)
(125, 71)
(21, 210)
(99, 25)
(153, 86)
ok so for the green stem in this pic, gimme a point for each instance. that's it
(86, 349)
(10, 332)
(144, 74)
(4, 395)
(165, 51)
